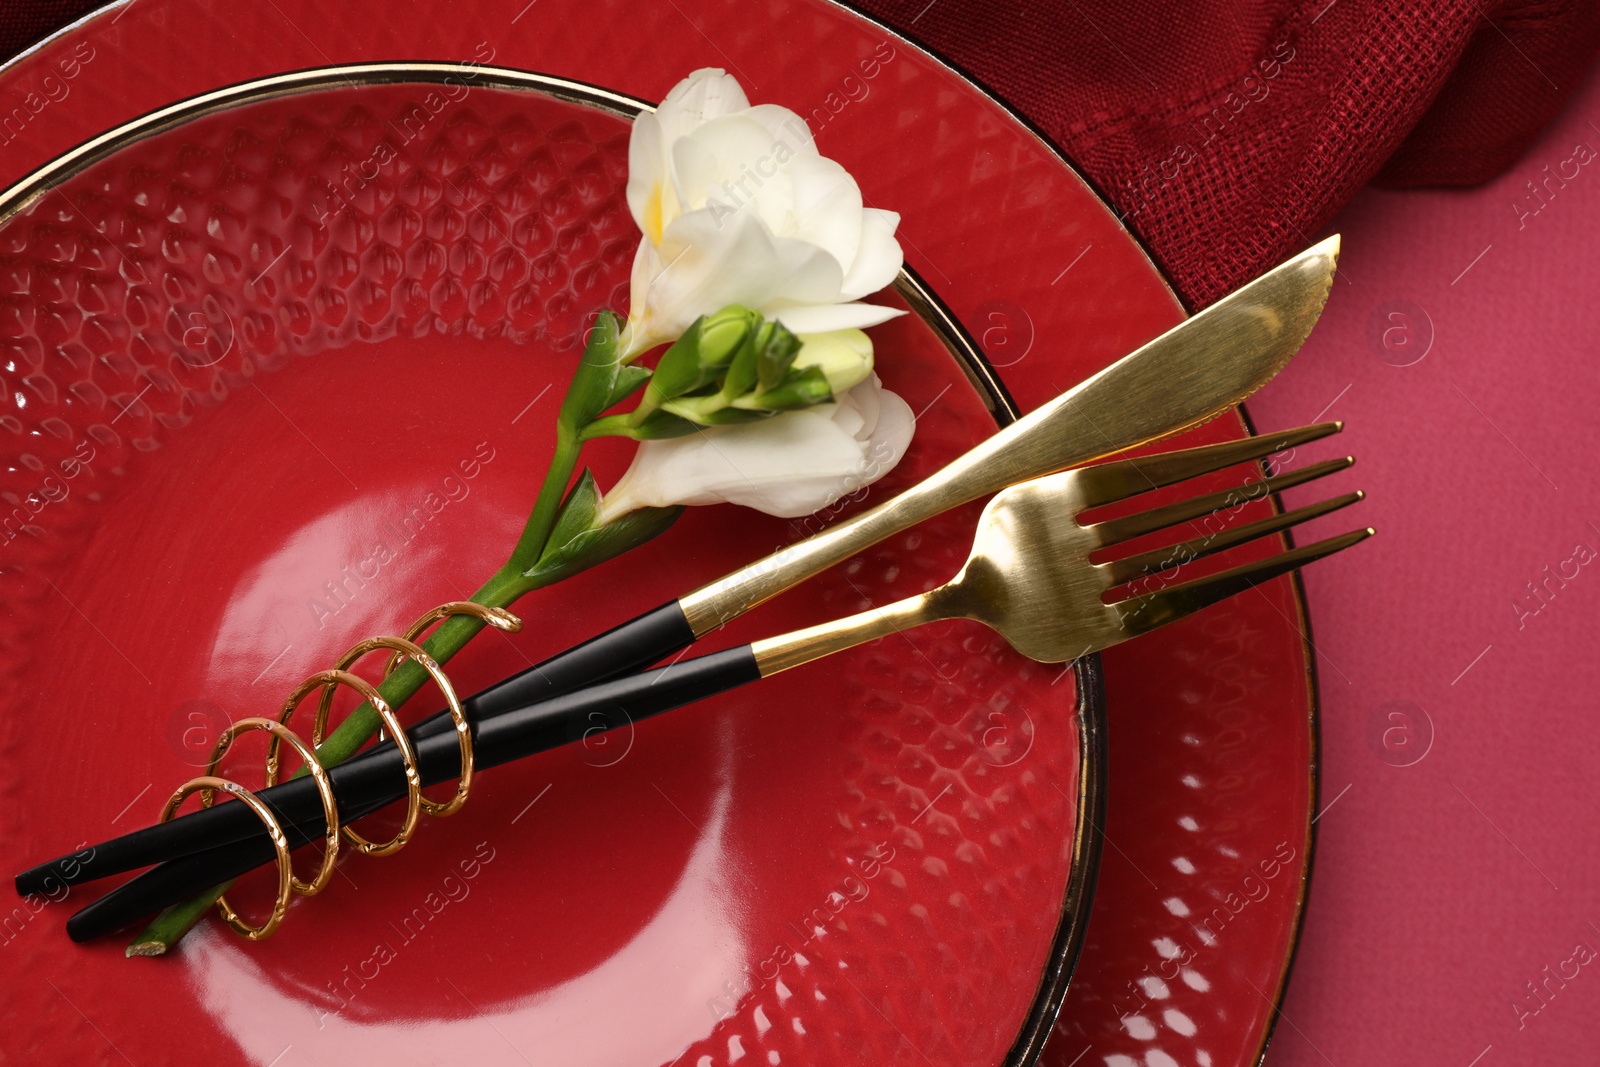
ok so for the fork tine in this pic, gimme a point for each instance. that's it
(1141, 614)
(1106, 483)
(1160, 559)
(1114, 531)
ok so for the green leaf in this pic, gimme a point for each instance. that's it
(598, 375)
(577, 512)
(564, 558)
(629, 379)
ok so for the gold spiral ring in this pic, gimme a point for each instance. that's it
(319, 774)
(280, 844)
(500, 619)
(405, 649)
(325, 683)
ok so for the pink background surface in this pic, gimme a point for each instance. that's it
(1445, 883)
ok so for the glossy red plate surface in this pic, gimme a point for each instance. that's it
(621, 897)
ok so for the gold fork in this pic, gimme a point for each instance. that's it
(1031, 577)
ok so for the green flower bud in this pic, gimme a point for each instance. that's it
(700, 358)
(741, 376)
(776, 352)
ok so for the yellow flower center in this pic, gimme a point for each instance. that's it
(652, 214)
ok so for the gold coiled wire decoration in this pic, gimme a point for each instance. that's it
(400, 649)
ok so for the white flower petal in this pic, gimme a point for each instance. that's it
(789, 465)
(779, 465)
(785, 127)
(826, 205)
(706, 94)
(825, 318)
(866, 402)
(878, 255)
(726, 163)
(711, 261)
(647, 165)
(892, 431)
(644, 332)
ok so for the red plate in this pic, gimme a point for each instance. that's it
(225, 517)
(641, 900)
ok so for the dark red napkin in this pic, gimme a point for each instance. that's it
(1229, 131)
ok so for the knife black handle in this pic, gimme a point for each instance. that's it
(506, 737)
(621, 650)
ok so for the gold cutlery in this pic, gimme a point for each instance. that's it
(1032, 576)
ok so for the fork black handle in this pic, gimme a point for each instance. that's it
(621, 650)
(501, 739)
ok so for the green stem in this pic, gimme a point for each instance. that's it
(569, 442)
(611, 426)
(697, 408)
(647, 404)
(500, 591)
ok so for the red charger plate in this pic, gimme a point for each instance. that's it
(222, 527)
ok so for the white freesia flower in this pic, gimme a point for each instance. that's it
(737, 207)
(789, 465)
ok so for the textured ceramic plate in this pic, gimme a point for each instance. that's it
(1211, 739)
